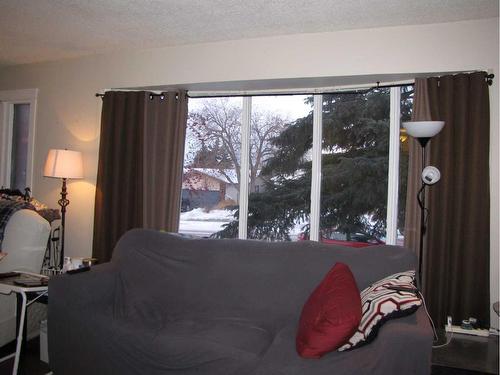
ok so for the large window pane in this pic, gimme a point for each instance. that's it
(280, 167)
(355, 154)
(210, 186)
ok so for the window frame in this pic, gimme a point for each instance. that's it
(315, 211)
(246, 123)
(391, 233)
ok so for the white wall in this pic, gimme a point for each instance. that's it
(69, 113)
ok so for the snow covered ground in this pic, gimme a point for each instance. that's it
(200, 223)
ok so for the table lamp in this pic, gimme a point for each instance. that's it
(63, 164)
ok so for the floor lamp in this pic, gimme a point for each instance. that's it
(423, 131)
(63, 164)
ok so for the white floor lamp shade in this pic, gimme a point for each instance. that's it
(63, 164)
(423, 129)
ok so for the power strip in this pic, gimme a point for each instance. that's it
(474, 332)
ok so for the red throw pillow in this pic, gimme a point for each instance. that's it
(331, 314)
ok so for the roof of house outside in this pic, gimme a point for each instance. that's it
(227, 176)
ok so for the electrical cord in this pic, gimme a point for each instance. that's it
(425, 210)
(419, 196)
(428, 315)
(445, 344)
(436, 338)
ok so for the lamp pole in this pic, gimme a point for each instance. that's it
(63, 164)
(421, 202)
(422, 131)
(63, 202)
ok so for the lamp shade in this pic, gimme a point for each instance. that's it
(423, 129)
(63, 164)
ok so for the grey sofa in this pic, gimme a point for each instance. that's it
(171, 305)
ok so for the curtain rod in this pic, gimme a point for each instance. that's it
(488, 78)
(151, 95)
(325, 92)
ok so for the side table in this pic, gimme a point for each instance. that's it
(7, 286)
(468, 353)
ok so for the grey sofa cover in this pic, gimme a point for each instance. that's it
(170, 305)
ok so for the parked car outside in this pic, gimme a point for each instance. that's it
(337, 237)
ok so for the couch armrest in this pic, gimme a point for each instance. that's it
(95, 287)
(79, 305)
(408, 342)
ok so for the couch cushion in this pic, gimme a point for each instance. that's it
(193, 343)
(331, 314)
(381, 304)
(220, 275)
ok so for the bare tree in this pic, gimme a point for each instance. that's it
(264, 127)
(214, 136)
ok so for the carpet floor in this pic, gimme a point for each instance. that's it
(29, 364)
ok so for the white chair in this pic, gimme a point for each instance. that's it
(25, 240)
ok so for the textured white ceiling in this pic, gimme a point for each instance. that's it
(39, 30)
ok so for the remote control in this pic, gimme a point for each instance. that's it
(78, 270)
(31, 283)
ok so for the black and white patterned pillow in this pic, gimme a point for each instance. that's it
(380, 304)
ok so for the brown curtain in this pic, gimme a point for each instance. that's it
(457, 244)
(139, 173)
(421, 112)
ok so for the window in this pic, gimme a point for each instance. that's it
(324, 167)
(20, 139)
(17, 118)
(354, 164)
(280, 142)
(211, 178)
